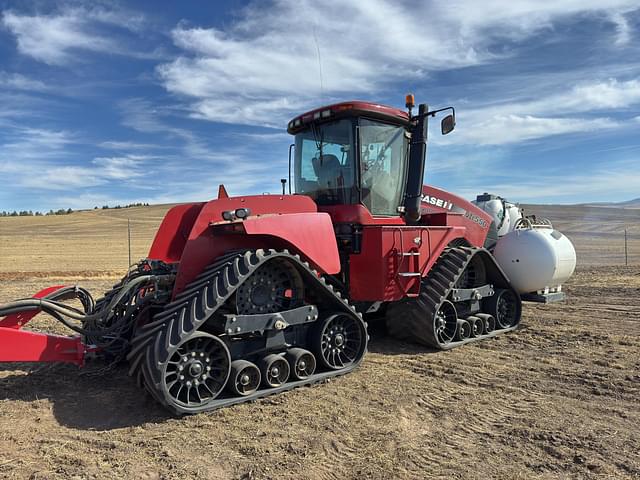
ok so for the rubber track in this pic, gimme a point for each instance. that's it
(412, 319)
(154, 343)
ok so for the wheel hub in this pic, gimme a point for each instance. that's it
(273, 287)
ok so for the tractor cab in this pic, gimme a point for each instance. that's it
(357, 153)
(349, 156)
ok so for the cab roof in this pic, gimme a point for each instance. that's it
(348, 109)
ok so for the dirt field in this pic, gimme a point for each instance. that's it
(557, 399)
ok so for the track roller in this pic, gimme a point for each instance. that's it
(302, 363)
(489, 322)
(477, 326)
(275, 370)
(245, 377)
(464, 330)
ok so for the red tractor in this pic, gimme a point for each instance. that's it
(243, 297)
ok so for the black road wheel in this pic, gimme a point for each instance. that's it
(464, 330)
(245, 377)
(273, 287)
(477, 326)
(445, 322)
(302, 363)
(340, 341)
(196, 372)
(275, 370)
(489, 322)
(504, 305)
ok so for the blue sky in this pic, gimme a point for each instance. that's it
(105, 103)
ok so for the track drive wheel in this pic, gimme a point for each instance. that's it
(340, 341)
(196, 372)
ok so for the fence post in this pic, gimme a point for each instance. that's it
(129, 241)
(626, 258)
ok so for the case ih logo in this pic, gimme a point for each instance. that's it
(438, 202)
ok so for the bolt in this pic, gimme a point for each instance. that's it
(230, 330)
(188, 383)
(204, 377)
(180, 368)
(196, 382)
(181, 377)
(201, 354)
(184, 359)
(238, 329)
(207, 359)
(308, 318)
(193, 354)
(233, 319)
(208, 368)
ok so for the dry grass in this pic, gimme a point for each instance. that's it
(557, 399)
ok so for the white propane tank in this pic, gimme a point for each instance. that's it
(536, 258)
(505, 214)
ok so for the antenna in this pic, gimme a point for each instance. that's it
(315, 39)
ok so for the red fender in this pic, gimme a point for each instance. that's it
(275, 221)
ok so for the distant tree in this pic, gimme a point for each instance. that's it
(51, 212)
(69, 211)
(14, 214)
(95, 208)
(105, 207)
(38, 214)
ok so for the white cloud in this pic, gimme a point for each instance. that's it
(263, 68)
(16, 81)
(56, 38)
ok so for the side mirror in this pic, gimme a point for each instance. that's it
(448, 124)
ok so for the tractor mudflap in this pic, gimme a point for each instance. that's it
(18, 345)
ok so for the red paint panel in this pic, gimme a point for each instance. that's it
(311, 234)
(203, 246)
(19, 320)
(460, 212)
(358, 214)
(28, 346)
(174, 230)
(374, 273)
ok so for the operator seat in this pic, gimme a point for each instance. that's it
(329, 172)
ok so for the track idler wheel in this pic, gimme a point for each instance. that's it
(245, 377)
(340, 341)
(197, 371)
(275, 370)
(489, 322)
(505, 307)
(464, 330)
(302, 363)
(445, 323)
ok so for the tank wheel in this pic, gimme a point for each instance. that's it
(275, 370)
(245, 377)
(273, 287)
(196, 372)
(504, 306)
(445, 322)
(340, 341)
(302, 363)
(477, 326)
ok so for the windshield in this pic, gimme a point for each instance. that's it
(383, 154)
(325, 165)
